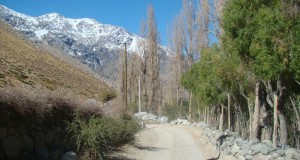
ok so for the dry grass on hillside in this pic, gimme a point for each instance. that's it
(22, 64)
(44, 104)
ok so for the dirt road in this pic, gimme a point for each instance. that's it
(166, 142)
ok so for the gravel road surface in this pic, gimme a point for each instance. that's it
(166, 142)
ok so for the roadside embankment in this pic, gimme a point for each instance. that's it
(242, 149)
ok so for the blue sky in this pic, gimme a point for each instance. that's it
(124, 13)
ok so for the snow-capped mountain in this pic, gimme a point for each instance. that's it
(95, 44)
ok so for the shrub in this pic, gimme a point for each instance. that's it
(57, 105)
(173, 112)
(95, 136)
(107, 96)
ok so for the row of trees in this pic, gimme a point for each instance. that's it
(188, 35)
(251, 76)
(248, 81)
(144, 66)
(162, 88)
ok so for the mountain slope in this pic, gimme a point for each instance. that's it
(22, 64)
(97, 45)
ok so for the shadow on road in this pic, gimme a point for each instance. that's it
(117, 158)
(148, 148)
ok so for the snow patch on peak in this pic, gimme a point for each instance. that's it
(88, 20)
(3, 7)
(41, 33)
(29, 19)
(135, 45)
(50, 16)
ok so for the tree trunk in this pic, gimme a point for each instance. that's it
(199, 114)
(256, 116)
(213, 117)
(205, 112)
(249, 104)
(278, 113)
(250, 117)
(190, 106)
(267, 133)
(177, 97)
(221, 118)
(282, 119)
(265, 120)
(275, 133)
(229, 113)
(283, 129)
(208, 116)
(296, 113)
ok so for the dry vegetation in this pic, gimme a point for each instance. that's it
(23, 65)
(43, 104)
(37, 86)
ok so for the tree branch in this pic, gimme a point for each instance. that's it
(297, 82)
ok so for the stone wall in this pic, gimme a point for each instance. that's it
(150, 118)
(35, 139)
(242, 149)
(33, 122)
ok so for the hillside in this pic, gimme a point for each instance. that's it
(22, 64)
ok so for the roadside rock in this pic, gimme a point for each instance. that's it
(235, 149)
(149, 117)
(11, 146)
(268, 143)
(39, 140)
(3, 133)
(1, 151)
(255, 149)
(280, 152)
(69, 156)
(248, 157)
(27, 143)
(57, 154)
(42, 154)
(49, 136)
(239, 157)
(292, 153)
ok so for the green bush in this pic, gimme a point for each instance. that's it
(173, 112)
(107, 96)
(101, 135)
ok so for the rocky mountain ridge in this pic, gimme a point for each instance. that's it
(95, 44)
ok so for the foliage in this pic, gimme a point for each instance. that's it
(173, 112)
(295, 51)
(263, 36)
(214, 76)
(101, 135)
(107, 96)
(260, 42)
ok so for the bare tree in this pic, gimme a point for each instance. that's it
(145, 57)
(176, 41)
(120, 78)
(151, 62)
(134, 71)
(154, 64)
(216, 17)
(189, 43)
(203, 21)
(189, 46)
